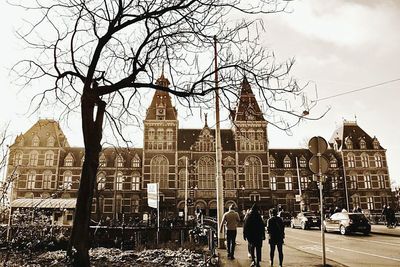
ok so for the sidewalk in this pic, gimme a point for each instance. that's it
(383, 230)
(292, 256)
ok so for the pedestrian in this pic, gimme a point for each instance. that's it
(254, 233)
(231, 220)
(248, 244)
(276, 232)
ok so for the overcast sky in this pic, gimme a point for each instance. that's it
(340, 45)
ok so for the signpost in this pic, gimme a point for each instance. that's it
(319, 165)
(153, 200)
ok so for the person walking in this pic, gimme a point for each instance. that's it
(231, 220)
(254, 233)
(276, 232)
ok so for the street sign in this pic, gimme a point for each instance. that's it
(318, 164)
(298, 198)
(152, 195)
(317, 145)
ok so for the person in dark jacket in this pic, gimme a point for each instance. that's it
(276, 231)
(254, 233)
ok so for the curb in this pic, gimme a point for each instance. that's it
(387, 234)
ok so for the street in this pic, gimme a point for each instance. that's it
(349, 250)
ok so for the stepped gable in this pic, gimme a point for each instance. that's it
(248, 108)
(43, 129)
(350, 129)
(188, 137)
(161, 102)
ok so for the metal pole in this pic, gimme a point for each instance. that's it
(345, 183)
(299, 182)
(186, 191)
(158, 213)
(218, 177)
(322, 213)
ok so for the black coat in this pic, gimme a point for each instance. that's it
(276, 230)
(253, 228)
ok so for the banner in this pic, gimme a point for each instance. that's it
(152, 195)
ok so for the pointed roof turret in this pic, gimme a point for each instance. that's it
(248, 108)
(161, 105)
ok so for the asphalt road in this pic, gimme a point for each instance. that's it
(349, 250)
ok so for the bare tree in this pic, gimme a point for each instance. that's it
(102, 55)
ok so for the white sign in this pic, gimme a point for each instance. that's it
(152, 195)
(298, 198)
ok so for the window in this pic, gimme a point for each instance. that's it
(135, 206)
(272, 162)
(349, 143)
(353, 181)
(67, 182)
(120, 161)
(335, 182)
(253, 173)
(375, 144)
(136, 181)
(364, 160)
(367, 181)
(101, 181)
(182, 179)
(35, 141)
(303, 182)
(229, 179)
(287, 163)
(288, 182)
(206, 173)
(48, 180)
(273, 183)
(69, 160)
(31, 180)
(302, 162)
(363, 144)
(102, 160)
(160, 134)
(18, 158)
(251, 134)
(120, 180)
(370, 203)
(170, 134)
(151, 133)
(351, 162)
(49, 158)
(126, 205)
(381, 181)
(108, 205)
(50, 141)
(254, 197)
(378, 160)
(159, 171)
(136, 161)
(33, 158)
(333, 162)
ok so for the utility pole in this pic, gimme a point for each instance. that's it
(186, 190)
(218, 178)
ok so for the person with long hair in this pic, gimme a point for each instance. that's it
(254, 233)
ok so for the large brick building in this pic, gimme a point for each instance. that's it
(48, 168)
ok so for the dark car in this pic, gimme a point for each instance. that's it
(306, 220)
(286, 217)
(345, 223)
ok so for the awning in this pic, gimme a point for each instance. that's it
(47, 203)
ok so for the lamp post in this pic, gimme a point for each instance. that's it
(243, 188)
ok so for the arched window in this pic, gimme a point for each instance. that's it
(252, 172)
(101, 181)
(69, 160)
(102, 160)
(272, 162)
(288, 181)
(18, 158)
(182, 178)
(119, 161)
(33, 158)
(159, 171)
(364, 160)
(51, 141)
(160, 134)
(136, 181)
(151, 133)
(287, 162)
(136, 161)
(206, 173)
(349, 143)
(251, 134)
(170, 134)
(49, 158)
(35, 141)
(48, 180)
(363, 144)
(229, 179)
(351, 161)
(378, 160)
(31, 180)
(67, 181)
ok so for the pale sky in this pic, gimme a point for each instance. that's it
(340, 45)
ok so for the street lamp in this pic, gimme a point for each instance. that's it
(243, 188)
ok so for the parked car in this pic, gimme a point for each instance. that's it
(306, 220)
(345, 223)
(286, 217)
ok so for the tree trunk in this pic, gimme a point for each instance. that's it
(79, 243)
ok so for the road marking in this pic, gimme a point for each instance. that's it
(315, 248)
(351, 250)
